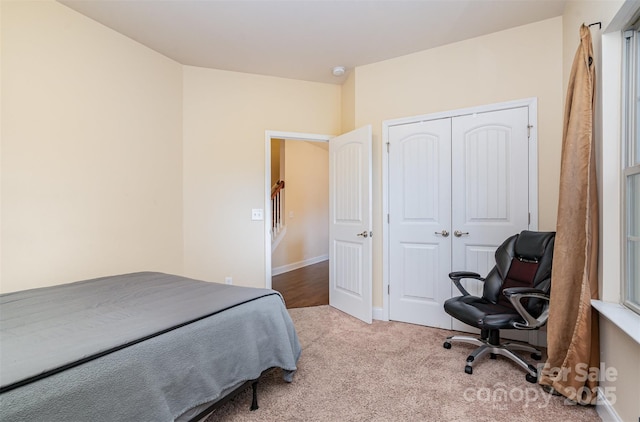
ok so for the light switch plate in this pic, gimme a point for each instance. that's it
(257, 214)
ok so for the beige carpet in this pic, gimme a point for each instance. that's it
(391, 371)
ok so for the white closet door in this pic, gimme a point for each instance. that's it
(490, 186)
(466, 177)
(420, 215)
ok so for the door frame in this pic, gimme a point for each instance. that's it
(531, 103)
(287, 136)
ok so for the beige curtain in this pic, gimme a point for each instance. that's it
(572, 328)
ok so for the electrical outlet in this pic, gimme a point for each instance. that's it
(228, 280)
(257, 214)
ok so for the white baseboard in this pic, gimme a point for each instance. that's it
(294, 266)
(605, 410)
(378, 314)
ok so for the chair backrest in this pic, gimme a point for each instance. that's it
(523, 260)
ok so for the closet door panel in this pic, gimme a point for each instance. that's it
(490, 188)
(420, 215)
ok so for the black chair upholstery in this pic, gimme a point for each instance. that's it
(515, 296)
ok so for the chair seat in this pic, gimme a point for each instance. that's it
(481, 313)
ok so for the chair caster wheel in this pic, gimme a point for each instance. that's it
(468, 369)
(536, 356)
(530, 378)
(446, 345)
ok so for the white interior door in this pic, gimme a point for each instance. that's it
(490, 188)
(420, 214)
(350, 215)
(465, 176)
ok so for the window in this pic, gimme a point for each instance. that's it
(631, 165)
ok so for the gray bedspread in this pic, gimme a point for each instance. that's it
(211, 338)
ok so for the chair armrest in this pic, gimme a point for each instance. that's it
(456, 276)
(515, 294)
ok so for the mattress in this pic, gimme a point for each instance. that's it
(142, 346)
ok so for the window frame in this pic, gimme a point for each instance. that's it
(630, 93)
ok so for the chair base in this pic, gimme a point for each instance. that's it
(492, 345)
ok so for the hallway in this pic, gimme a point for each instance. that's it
(306, 286)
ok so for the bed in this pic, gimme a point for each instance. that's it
(137, 347)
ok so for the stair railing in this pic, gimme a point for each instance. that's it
(277, 206)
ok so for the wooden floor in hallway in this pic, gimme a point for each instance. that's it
(306, 286)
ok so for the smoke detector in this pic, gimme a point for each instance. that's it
(338, 71)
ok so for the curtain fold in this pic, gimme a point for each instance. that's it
(572, 365)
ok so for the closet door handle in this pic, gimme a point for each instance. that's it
(443, 233)
(458, 233)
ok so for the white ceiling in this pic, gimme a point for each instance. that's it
(305, 39)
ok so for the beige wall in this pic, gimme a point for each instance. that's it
(518, 63)
(620, 353)
(91, 150)
(225, 118)
(306, 211)
(349, 103)
(92, 154)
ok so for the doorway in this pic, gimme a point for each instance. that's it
(350, 218)
(298, 245)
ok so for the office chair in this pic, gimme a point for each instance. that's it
(515, 296)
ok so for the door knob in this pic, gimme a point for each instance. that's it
(458, 233)
(444, 233)
(364, 234)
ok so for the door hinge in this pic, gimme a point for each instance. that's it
(529, 218)
(389, 289)
(388, 143)
(529, 131)
(388, 219)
